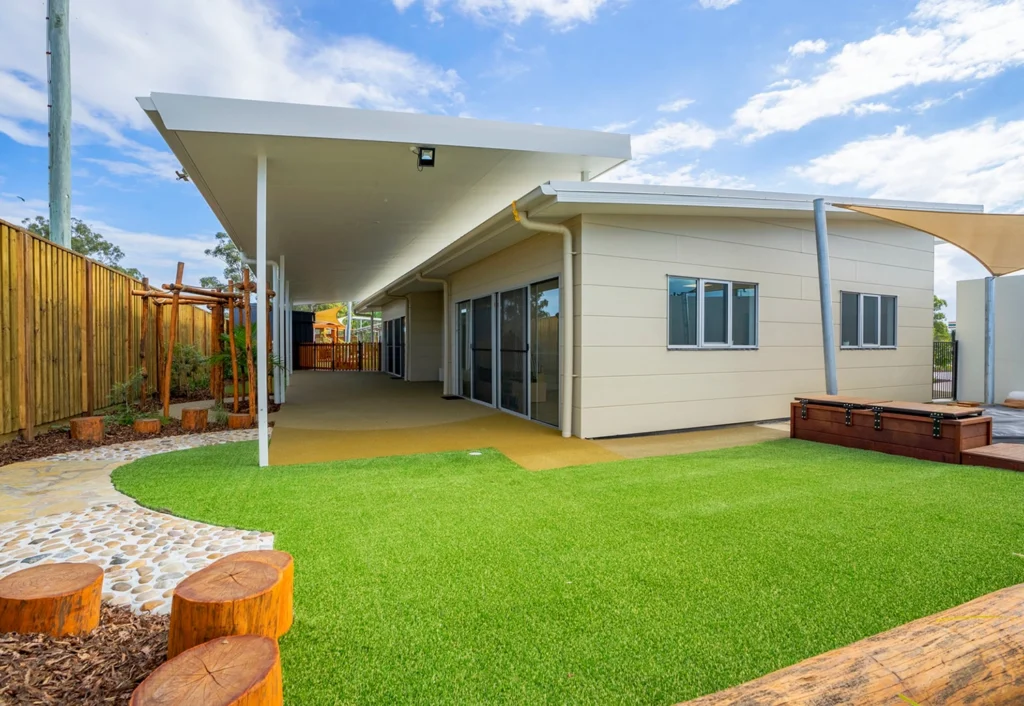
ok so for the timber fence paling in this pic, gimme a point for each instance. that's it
(69, 331)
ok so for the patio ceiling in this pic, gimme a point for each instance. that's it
(346, 204)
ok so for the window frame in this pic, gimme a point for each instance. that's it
(702, 344)
(861, 345)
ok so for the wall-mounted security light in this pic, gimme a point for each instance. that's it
(426, 157)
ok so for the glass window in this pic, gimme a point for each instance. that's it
(868, 320)
(682, 311)
(888, 321)
(716, 313)
(850, 319)
(744, 314)
(711, 313)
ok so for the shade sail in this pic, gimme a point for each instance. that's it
(996, 240)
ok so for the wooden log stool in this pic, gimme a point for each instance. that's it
(286, 565)
(239, 421)
(225, 598)
(240, 670)
(146, 426)
(56, 599)
(87, 428)
(193, 419)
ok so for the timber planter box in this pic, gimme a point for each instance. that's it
(928, 432)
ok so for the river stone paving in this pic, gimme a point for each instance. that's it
(64, 508)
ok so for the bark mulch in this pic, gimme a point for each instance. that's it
(58, 441)
(103, 667)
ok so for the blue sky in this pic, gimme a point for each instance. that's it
(899, 99)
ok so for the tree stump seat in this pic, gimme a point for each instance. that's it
(87, 428)
(56, 599)
(146, 426)
(286, 565)
(239, 421)
(239, 670)
(194, 418)
(225, 598)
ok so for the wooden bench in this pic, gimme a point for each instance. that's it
(925, 431)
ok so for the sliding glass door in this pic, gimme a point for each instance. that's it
(483, 350)
(513, 350)
(464, 350)
(526, 353)
(544, 345)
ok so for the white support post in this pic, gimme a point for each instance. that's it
(280, 374)
(290, 366)
(348, 323)
(261, 309)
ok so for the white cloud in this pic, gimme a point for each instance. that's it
(717, 4)
(944, 41)
(675, 106)
(982, 163)
(560, 13)
(667, 137)
(617, 126)
(235, 48)
(869, 108)
(686, 175)
(808, 46)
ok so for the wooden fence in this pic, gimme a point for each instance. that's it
(70, 330)
(339, 356)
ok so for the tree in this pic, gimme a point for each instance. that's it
(342, 311)
(86, 241)
(940, 329)
(228, 253)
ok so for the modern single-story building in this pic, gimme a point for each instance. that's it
(690, 307)
(478, 241)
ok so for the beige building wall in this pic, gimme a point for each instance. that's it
(970, 333)
(632, 383)
(535, 259)
(393, 310)
(425, 331)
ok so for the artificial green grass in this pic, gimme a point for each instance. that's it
(459, 579)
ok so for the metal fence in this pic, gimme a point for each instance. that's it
(944, 370)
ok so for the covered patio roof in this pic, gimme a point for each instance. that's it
(346, 203)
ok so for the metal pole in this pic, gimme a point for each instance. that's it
(348, 323)
(261, 308)
(59, 50)
(828, 331)
(990, 340)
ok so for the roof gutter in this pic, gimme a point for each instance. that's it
(567, 322)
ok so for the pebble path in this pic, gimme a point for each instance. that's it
(143, 553)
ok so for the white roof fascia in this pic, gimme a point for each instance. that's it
(612, 193)
(189, 113)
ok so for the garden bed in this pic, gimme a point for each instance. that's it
(103, 667)
(59, 441)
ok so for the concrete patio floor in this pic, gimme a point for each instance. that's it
(332, 416)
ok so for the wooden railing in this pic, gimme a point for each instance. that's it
(356, 356)
(69, 331)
